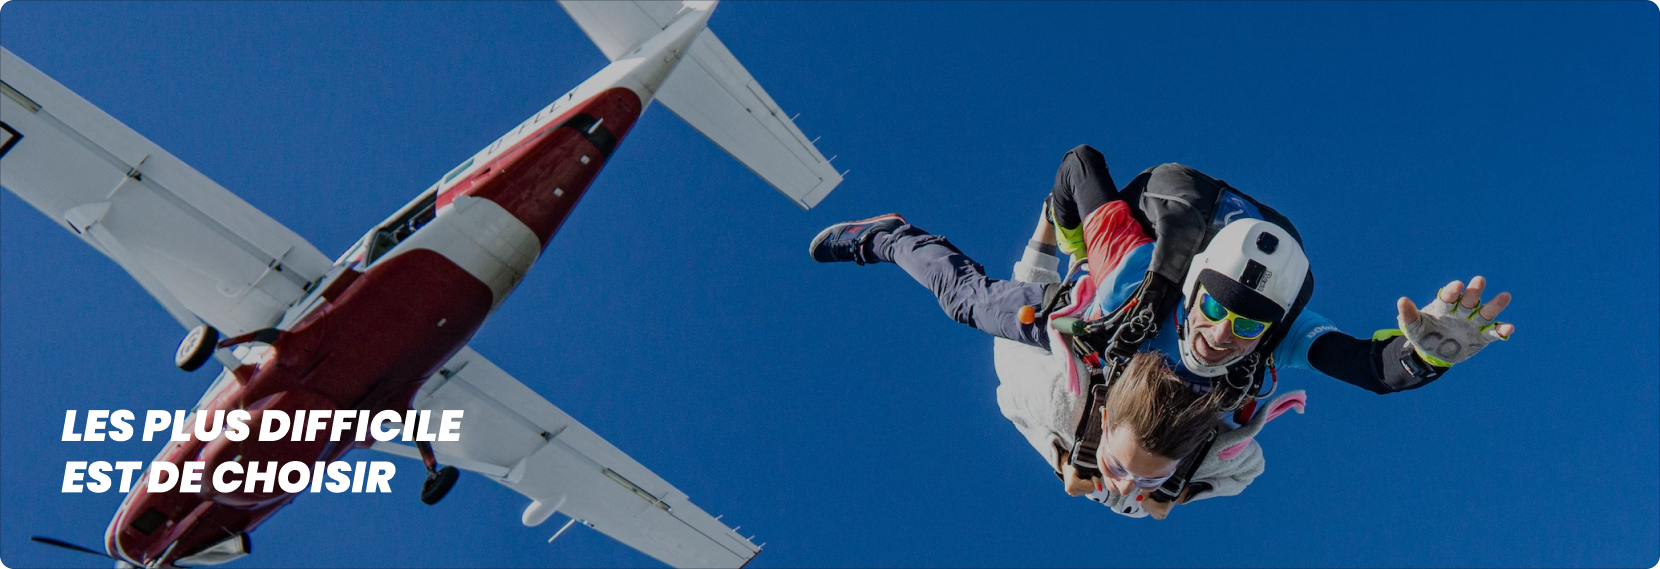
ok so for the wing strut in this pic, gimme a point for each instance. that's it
(562, 530)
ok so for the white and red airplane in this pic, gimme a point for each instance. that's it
(386, 325)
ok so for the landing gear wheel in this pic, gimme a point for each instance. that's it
(438, 484)
(196, 348)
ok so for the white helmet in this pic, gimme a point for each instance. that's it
(1254, 268)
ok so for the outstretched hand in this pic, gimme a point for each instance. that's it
(1456, 325)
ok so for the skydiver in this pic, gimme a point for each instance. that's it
(1244, 283)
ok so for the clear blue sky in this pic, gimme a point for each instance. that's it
(833, 410)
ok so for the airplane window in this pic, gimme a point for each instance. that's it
(414, 216)
(458, 170)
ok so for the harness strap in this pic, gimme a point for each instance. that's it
(1085, 447)
(1130, 325)
(1172, 488)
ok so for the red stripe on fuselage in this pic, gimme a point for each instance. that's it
(523, 179)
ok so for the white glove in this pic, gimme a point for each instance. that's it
(1446, 333)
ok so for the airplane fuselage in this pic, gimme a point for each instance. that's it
(400, 304)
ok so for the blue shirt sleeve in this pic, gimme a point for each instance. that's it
(1292, 352)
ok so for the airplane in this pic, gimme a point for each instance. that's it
(385, 326)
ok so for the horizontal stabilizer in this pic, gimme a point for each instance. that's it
(713, 92)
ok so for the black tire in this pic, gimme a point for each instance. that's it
(438, 485)
(198, 345)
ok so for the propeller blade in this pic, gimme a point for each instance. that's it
(67, 545)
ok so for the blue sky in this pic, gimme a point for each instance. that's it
(833, 411)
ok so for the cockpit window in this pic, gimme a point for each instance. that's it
(458, 170)
(413, 217)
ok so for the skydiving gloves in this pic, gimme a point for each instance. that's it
(1447, 333)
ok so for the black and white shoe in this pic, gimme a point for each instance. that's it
(850, 240)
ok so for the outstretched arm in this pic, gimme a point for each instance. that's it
(1429, 342)
(1365, 362)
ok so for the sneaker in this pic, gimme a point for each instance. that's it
(850, 240)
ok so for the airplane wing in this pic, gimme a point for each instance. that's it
(513, 436)
(200, 250)
(714, 93)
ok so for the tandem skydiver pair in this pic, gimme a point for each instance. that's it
(1183, 299)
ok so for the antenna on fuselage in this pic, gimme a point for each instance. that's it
(73, 547)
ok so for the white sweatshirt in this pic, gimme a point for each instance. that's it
(1033, 394)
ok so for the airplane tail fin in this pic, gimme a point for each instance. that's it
(713, 93)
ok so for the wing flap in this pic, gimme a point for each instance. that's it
(194, 245)
(554, 459)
